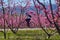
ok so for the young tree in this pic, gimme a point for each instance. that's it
(39, 21)
(3, 18)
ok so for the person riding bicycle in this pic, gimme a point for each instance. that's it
(28, 19)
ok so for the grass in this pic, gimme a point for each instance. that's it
(28, 35)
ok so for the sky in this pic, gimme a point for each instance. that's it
(53, 1)
(46, 2)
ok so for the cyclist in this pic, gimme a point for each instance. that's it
(28, 19)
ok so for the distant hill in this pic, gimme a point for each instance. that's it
(32, 8)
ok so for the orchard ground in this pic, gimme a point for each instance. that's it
(29, 34)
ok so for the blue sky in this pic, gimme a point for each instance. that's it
(53, 2)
